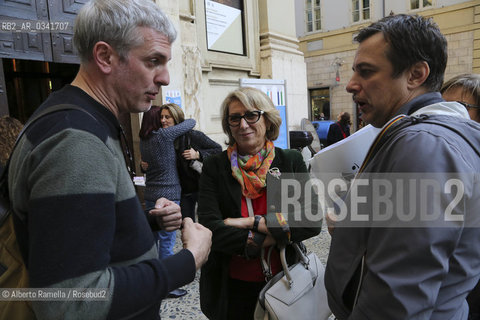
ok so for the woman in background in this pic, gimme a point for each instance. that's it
(465, 89)
(340, 129)
(160, 127)
(193, 146)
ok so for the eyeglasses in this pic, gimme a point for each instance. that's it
(250, 117)
(468, 105)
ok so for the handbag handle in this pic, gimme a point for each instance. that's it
(266, 267)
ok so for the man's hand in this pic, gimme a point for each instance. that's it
(168, 214)
(198, 240)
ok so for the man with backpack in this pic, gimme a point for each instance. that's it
(78, 221)
(408, 246)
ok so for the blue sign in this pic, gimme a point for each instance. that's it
(275, 90)
(282, 141)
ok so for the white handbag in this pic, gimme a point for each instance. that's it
(298, 292)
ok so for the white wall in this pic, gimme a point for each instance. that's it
(336, 14)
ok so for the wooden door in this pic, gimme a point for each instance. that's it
(18, 37)
(38, 29)
(63, 13)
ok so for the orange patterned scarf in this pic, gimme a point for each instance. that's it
(251, 171)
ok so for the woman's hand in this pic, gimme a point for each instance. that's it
(191, 154)
(241, 223)
(247, 223)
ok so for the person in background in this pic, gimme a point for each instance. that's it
(83, 225)
(232, 279)
(10, 128)
(192, 149)
(340, 129)
(393, 266)
(465, 89)
(160, 127)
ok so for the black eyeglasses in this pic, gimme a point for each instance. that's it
(250, 117)
(468, 105)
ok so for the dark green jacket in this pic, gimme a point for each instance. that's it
(220, 198)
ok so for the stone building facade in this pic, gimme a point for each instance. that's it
(33, 64)
(329, 51)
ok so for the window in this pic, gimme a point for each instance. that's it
(313, 15)
(419, 4)
(320, 104)
(360, 10)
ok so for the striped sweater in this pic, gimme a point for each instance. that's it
(84, 225)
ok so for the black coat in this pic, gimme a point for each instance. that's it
(219, 198)
(200, 142)
(336, 132)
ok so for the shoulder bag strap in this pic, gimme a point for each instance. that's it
(32, 120)
(341, 130)
(445, 125)
(189, 139)
(249, 207)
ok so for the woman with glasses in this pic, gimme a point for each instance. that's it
(233, 204)
(160, 127)
(465, 89)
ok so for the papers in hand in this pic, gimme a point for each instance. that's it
(346, 156)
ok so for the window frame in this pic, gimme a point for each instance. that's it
(250, 60)
(361, 12)
(420, 5)
(242, 27)
(316, 19)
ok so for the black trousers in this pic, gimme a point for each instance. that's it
(242, 299)
(187, 205)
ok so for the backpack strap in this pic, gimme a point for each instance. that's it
(430, 120)
(4, 198)
(403, 121)
(379, 141)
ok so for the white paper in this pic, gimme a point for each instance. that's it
(346, 156)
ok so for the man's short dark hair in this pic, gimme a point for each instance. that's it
(412, 39)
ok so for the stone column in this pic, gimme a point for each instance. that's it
(280, 57)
